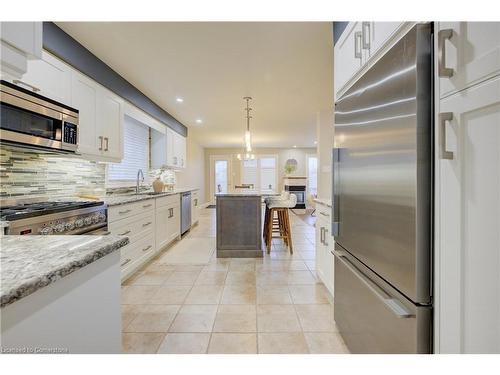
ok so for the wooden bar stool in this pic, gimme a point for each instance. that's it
(281, 224)
(283, 196)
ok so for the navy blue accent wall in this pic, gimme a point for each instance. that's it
(57, 42)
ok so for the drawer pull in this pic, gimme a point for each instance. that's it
(322, 213)
(147, 205)
(19, 82)
(125, 263)
(147, 248)
(146, 224)
(124, 212)
(443, 70)
(124, 233)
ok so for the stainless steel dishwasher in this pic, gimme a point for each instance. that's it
(185, 212)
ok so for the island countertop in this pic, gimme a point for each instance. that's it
(29, 263)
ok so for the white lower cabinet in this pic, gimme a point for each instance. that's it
(468, 241)
(150, 225)
(324, 246)
(195, 206)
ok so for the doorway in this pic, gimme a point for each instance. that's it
(220, 175)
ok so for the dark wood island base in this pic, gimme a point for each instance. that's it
(239, 226)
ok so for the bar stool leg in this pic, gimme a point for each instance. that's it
(270, 230)
(288, 231)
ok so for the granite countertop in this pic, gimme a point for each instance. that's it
(29, 263)
(324, 202)
(118, 199)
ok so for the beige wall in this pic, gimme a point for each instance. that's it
(283, 154)
(194, 174)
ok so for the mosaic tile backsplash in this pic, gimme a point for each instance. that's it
(29, 173)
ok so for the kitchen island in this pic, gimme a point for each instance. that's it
(60, 294)
(239, 225)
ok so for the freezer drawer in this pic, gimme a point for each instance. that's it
(374, 318)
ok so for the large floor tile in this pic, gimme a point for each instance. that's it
(282, 343)
(150, 277)
(325, 343)
(309, 294)
(240, 277)
(301, 278)
(233, 343)
(204, 295)
(242, 265)
(153, 318)
(194, 318)
(211, 278)
(236, 318)
(182, 278)
(137, 294)
(239, 294)
(273, 295)
(141, 343)
(316, 318)
(272, 278)
(185, 343)
(277, 318)
(170, 295)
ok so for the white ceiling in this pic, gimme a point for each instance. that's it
(286, 67)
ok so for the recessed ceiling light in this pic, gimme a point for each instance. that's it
(179, 100)
(315, 142)
(198, 121)
(294, 146)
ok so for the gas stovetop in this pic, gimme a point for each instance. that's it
(64, 217)
(23, 211)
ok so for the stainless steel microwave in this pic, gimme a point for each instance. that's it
(30, 119)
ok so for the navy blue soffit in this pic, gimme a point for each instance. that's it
(57, 42)
(338, 28)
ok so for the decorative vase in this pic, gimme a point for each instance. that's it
(158, 185)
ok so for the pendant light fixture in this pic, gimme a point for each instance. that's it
(247, 154)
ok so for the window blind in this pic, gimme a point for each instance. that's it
(135, 152)
(249, 175)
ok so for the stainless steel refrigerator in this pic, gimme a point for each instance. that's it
(382, 202)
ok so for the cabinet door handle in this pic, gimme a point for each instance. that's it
(442, 69)
(124, 233)
(443, 118)
(357, 44)
(147, 248)
(147, 205)
(106, 148)
(322, 213)
(321, 232)
(366, 41)
(324, 237)
(146, 224)
(124, 212)
(126, 262)
(100, 143)
(19, 82)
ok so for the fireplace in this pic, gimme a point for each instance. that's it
(300, 192)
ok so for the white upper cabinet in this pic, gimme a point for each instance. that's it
(20, 41)
(347, 55)
(359, 45)
(100, 119)
(84, 97)
(469, 52)
(180, 150)
(171, 157)
(49, 77)
(168, 149)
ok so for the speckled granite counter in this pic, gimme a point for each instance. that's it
(29, 263)
(118, 199)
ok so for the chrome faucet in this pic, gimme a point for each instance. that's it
(139, 173)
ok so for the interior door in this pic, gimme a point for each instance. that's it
(468, 319)
(220, 175)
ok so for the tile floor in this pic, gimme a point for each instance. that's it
(269, 305)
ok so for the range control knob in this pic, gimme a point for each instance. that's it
(59, 228)
(79, 223)
(45, 231)
(102, 217)
(95, 219)
(88, 220)
(70, 226)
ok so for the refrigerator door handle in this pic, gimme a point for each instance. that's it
(393, 304)
(335, 193)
